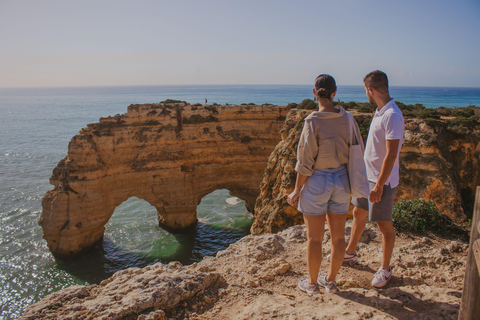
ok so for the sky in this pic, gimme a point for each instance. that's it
(155, 42)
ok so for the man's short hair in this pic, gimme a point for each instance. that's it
(377, 80)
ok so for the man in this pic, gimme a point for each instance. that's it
(381, 159)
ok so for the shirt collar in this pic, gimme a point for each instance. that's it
(388, 105)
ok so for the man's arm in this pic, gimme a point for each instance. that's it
(387, 166)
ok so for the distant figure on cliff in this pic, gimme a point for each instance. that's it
(384, 141)
(205, 100)
(322, 185)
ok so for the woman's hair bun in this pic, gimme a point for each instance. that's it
(325, 85)
(323, 93)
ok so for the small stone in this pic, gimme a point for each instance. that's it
(282, 268)
(346, 284)
(455, 246)
(444, 252)
(401, 265)
(253, 269)
(267, 277)
(426, 240)
(207, 299)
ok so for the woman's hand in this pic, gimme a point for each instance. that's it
(293, 197)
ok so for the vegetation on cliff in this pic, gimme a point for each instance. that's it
(457, 120)
(423, 217)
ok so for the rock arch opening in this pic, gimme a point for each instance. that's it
(134, 227)
(222, 220)
(221, 210)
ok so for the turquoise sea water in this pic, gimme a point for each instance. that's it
(36, 125)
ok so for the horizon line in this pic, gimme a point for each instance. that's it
(233, 84)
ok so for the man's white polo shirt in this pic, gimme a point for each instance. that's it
(387, 124)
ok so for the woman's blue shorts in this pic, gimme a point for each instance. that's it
(326, 190)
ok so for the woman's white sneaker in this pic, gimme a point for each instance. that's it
(305, 286)
(382, 276)
(346, 258)
(330, 286)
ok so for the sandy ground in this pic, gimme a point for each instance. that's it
(260, 276)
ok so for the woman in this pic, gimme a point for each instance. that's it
(322, 186)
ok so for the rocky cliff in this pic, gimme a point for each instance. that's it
(153, 149)
(437, 163)
(170, 154)
(256, 279)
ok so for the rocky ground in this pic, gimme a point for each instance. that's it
(256, 278)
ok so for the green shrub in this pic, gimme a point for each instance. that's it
(172, 101)
(292, 106)
(458, 129)
(404, 107)
(463, 113)
(427, 113)
(462, 125)
(346, 105)
(365, 109)
(364, 126)
(308, 104)
(426, 136)
(351, 104)
(433, 122)
(445, 111)
(422, 217)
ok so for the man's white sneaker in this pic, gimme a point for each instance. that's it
(381, 277)
(347, 257)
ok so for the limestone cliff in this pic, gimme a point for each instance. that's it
(256, 278)
(170, 154)
(436, 163)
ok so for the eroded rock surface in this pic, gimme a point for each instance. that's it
(169, 154)
(435, 164)
(256, 278)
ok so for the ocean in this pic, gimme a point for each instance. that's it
(36, 125)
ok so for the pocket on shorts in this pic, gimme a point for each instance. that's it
(316, 185)
(345, 182)
(342, 189)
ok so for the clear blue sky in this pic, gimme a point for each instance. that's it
(155, 42)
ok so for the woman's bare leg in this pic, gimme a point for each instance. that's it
(315, 228)
(336, 224)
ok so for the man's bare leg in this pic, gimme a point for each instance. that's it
(358, 226)
(388, 242)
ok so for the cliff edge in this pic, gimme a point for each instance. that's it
(256, 278)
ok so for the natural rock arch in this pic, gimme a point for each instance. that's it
(168, 154)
